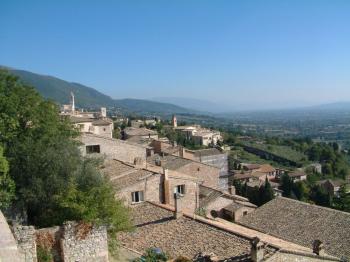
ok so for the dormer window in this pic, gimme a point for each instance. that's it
(180, 189)
(137, 197)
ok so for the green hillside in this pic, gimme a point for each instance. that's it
(59, 90)
(87, 97)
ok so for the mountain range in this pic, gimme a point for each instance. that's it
(86, 97)
(59, 91)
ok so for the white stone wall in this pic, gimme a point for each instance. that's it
(106, 131)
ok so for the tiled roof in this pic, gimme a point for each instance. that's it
(101, 122)
(208, 194)
(233, 207)
(207, 152)
(169, 161)
(238, 176)
(296, 174)
(302, 223)
(139, 140)
(266, 168)
(156, 227)
(77, 119)
(133, 131)
(123, 175)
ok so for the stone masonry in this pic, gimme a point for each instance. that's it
(26, 241)
(88, 247)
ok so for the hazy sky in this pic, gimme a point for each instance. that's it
(258, 53)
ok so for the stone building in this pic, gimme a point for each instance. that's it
(110, 148)
(213, 157)
(102, 127)
(209, 174)
(297, 176)
(216, 203)
(136, 185)
(200, 135)
(331, 186)
(88, 122)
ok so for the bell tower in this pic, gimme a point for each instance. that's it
(174, 121)
(72, 102)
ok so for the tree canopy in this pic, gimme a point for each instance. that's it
(54, 183)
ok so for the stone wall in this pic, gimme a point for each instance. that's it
(241, 212)
(84, 244)
(9, 251)
(152, 190)
(208, 174)
(69, 243)
(189, 201)
(114, 148)
(26, 242)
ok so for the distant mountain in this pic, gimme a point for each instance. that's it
(337, 106)
(196, 104)
(87, 97)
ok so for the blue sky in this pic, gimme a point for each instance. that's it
(257, 54)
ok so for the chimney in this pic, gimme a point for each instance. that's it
(181, 151)
(138, 162)
(158, 161)
(178, 206)
(166, 186)
(257, 250)
(232, 190)
(318, 247)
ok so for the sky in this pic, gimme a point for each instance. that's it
(238, 53)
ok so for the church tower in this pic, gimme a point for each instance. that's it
(174, 121)
(72, 102)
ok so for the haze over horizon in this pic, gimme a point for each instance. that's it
(257, 55)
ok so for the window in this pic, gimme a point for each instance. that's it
(245, 213)
(137, 196)
(92, 149)
(180, 189)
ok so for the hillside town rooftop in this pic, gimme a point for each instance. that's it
(157, 227)
(302, 223)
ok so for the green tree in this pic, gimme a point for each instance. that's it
(343, 201)
(267, 193)
(320, 197)
(286, 185)
(7, 185)
(301, 190)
